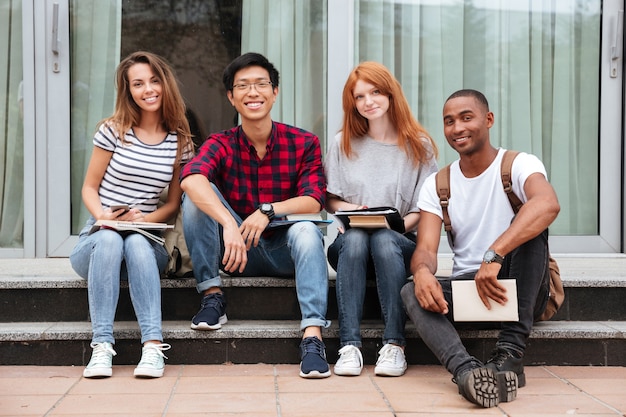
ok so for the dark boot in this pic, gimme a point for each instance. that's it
(483, 387)
(503, 359)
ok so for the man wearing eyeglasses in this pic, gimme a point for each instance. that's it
(240, 180)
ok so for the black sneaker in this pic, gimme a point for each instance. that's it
(212, 313)
(503, 359)
(313, 354)
(481, 386)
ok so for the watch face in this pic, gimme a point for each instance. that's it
(266, 207)
(490, 255)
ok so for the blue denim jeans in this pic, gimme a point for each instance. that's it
(383, 254)
(103, 259)
(297, 250)
(528, 264)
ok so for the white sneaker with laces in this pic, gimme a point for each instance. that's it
(101, 363)
(152, 361)
(391, 361)
(350, 362)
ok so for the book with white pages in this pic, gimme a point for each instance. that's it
(468, 306)
(144, 228)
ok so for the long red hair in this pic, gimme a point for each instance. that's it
(410, 132)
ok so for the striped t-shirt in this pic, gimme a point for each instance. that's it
(137, 172)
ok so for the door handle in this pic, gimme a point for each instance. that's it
(616, 48)
(56, 42)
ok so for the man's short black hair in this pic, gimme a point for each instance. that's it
(478, 96)
(249, 59)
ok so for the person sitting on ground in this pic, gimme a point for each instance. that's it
(488, 242)
(240, 180)
(381, 157)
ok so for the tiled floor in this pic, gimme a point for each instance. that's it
(277, 390)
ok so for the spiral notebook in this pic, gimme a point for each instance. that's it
(468, 306)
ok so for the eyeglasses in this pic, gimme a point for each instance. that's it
(260, 86)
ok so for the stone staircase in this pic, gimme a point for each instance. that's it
(44, 319)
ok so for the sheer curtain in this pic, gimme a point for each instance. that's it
(95, 35)
(11, 127)
(292, 35)
(536, 61)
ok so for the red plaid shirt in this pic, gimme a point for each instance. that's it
(291, 168)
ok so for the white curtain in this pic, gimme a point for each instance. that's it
(11, 127)
(536, 61)
(95, 34)
(292, 35)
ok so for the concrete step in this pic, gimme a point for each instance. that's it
(44, 319)
(578, 343)
(49, 290)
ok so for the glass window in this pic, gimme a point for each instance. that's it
(11, 127)
(537, 62)
(199, 38)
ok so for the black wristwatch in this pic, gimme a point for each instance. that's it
(267, 209)
(491, 256)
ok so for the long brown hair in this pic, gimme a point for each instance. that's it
(355, 126)
(128, 114)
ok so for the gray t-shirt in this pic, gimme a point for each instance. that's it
(376, 174)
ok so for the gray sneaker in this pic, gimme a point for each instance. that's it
(101, 363)
(152, 361)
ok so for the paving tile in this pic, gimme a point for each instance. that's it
(217, 384)
(326, 402)
(333, 384)
(588, 372)
(124, 385)
(600, 386)
(41, 371)
(26, 405)
(117, 404)
(227, 370)
(235, 402)
(36, 386)
(323, 413)
(435, 403)
(543, 404)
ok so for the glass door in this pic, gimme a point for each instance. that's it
(12, 129)
(545, 66)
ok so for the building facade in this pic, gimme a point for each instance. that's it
(551, 70)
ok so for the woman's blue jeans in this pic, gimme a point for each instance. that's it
(384, 254)
(103, 259)
(297, 250)
(528, 264)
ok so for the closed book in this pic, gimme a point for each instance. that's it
(467, 305)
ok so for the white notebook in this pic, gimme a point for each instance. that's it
(468, 306)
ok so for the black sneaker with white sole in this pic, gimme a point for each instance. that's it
(212, 313)
(313, 358)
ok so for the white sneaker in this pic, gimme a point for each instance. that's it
(152, 361)
(101, 363)
(350, 362)
(391, 361)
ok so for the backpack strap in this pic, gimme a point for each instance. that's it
(507, 184)
(442, 181)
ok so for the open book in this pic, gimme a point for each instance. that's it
(467, 305)
(145, 228)
(295, 218)
(371, 218)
